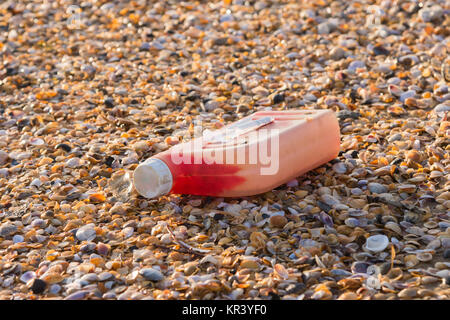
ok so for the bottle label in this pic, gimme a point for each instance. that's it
(235, 130)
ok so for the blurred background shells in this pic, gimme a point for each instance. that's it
(90, 89)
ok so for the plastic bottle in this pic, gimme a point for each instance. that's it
(253, 155)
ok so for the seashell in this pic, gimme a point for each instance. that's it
(250, 264)
(373, 283)
(292, 183)
(329, 200)
(281, 271)
(86, 233)
(430, 224)
(411, 261)
(362, 256)
(301, 193)
(209, 259)
(406, 224)
(326, 219)
(415, 230)
(258, 239)
(430, 130)
(408, 293)
(393, 226)
(443, 196)
(36, 182)
(427, 238)
(27, 276)
(395, 90)
(424, 256)
(319, 262)
(36, 142)
(443, 274)
(97, 197)
(73, 162)
(395, 274)
(407, 188)
(413, 155)
(434, 244)
(141, 146)
(442, 265)
(410, 102)
(359, 267)
(348, 296)
(357, 213)
(352, 222)
(127, 232)
(435, 174)
(445, 70)
(377, 243)
(406, 95)
(105, 276)
(52, 278)
(373, 270)
(102, 248)
(443, 225)
(408, 60)
(429, 280)
(316, 232)
(77, 295)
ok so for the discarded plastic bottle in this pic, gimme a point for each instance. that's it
(253, 155)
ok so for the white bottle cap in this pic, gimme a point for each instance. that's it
(152, 178)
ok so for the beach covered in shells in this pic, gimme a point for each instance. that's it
(90, 89)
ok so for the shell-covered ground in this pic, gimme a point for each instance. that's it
(89, 89)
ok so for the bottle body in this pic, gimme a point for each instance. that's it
(254, 155)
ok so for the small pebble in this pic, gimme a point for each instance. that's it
(38, 286)
(278, 221)
(151, 274)
(102, 249)
(86, 233)
(337, 53)
(18, 238)
(73, 162)
(377, 188)
(446, 254)
(27, 276)
(54, 289)
(413, 155)
(7, 229)
(63, 146)
(339, 168)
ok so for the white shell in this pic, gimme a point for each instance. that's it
(36, 142)
(27, 276)
(424, 256)
(377, 243)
